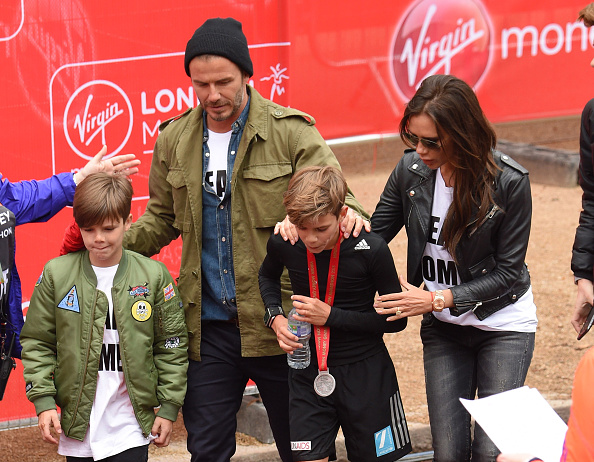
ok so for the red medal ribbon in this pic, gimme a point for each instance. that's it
(322, 333)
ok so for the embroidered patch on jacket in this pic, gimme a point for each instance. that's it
(362, 245)
(139, 291)
(39, 279)
(70, 301)
(172, 342)
(141, 310)
(384, 442)
(169, 291)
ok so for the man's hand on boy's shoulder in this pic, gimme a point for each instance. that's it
(162, 429)
(45, 421)
(353, 222)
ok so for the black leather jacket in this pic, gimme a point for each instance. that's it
(582, 260)
(490, 259)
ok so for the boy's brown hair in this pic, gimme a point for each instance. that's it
(102, 196)
(314, 192)
(587, 15)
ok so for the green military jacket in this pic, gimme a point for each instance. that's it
(276, 142)
(63, 335)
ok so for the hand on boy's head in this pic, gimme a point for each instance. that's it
(354, 222)
(125, 164)
(287, 230)
(163, 429)
(45, 421)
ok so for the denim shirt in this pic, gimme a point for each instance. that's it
(218, 275)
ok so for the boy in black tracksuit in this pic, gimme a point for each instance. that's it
(364, 400)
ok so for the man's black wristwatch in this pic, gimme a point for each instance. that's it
(272, 312)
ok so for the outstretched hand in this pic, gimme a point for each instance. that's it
(125, 164)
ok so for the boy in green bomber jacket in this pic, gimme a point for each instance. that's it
(105, 338)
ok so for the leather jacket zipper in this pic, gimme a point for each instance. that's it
(488, 216)
(477, 304)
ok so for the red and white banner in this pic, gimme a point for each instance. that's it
(76, 75)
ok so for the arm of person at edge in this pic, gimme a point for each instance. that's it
(39, 200)
(154, 229)
(125, 164)
(582, 261)
(383, 272)
(352, 221)
(583, 303)
(514, 229)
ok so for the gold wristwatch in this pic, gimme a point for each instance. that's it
(438, 301)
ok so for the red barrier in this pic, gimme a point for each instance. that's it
(79, 74)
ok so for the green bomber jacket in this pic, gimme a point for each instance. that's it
(63, 335)
(276, 142)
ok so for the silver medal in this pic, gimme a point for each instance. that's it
(324, 383)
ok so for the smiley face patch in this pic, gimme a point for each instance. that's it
(142, 310)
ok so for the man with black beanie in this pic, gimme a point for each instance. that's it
(217, 179)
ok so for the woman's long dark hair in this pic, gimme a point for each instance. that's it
(468, 139)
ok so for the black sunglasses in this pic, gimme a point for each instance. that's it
(414, 140)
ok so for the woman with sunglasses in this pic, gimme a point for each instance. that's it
(467, 209)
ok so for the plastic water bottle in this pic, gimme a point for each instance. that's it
(301, 356)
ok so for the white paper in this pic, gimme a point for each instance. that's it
(520, 421)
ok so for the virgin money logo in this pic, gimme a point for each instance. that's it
(441, 37)
(98, 113)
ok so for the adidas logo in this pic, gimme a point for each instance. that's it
(362, 245)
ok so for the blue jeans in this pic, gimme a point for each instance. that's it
(459, 362)
(215, 390)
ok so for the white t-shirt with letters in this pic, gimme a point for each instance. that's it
(440, 272)
(113, 427)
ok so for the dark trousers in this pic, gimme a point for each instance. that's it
(215, 391)
(461, 362)
(138, 454)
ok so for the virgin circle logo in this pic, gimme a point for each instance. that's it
(98, 113)
(441, 37)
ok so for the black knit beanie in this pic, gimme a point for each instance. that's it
(221, 37)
